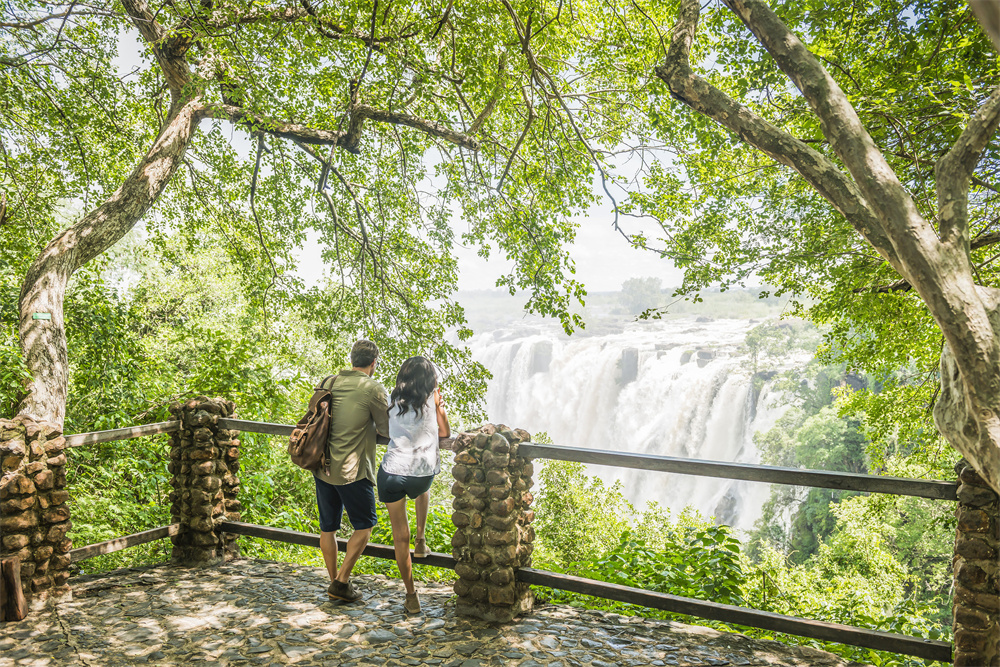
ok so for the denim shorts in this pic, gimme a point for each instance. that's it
(358, 498)
(396, 487)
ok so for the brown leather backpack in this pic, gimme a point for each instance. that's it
(307, 443)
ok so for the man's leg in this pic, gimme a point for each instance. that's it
(359, 501)
(331, 509)
(352, 552)
(328, 545)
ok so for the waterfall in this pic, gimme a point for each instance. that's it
(675, 388)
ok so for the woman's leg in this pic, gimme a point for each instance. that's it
(401, 541)
(422, 502)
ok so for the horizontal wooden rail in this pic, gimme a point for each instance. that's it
(803, 627)
(312, 540)
(845, 481)
(120, 543)
(255, 427)
(80, 439)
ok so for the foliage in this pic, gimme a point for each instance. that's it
(728, 214)
(854, 578)
(13, 372)
(698, 562)
(772, 340)
(577, 514)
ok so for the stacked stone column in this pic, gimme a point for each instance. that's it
(204, 462)
(976, 564)
(34, 517)
(493, 534)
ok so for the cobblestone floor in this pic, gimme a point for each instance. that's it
(263, 613)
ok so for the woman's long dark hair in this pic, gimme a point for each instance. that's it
(414, 384)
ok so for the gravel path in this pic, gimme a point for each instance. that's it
(252, 612)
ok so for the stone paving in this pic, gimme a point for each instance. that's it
(252, 612)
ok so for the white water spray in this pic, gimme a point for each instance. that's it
(675, 388)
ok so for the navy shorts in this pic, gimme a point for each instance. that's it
(396, 487)
(358, 498)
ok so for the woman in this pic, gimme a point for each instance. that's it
(416, 421)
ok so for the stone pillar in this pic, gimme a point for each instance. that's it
(976, 606)
(204, 462)
(493, 536)
(34, 517)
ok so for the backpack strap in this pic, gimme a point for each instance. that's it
(318, 393)
(322, 386)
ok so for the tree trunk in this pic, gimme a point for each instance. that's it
(42, 324)
(973, 432)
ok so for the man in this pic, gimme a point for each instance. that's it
(360, 411)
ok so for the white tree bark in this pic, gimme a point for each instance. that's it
(878, 206)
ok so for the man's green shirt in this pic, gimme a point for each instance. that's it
(360, 409)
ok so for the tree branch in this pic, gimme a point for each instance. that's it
(981, 241)
(363, 112)
(350, 140)
(954, 170)
(257, 123)
(901, 221)
(988, 14)
(818, 170)
(494, 98)
(62, 15)
(541, 75)
(175, 68)
(229, 17)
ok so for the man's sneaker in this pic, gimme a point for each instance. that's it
(345, 592)
(412, 604)
(420, 549)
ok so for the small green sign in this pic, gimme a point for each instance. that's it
(42, 316)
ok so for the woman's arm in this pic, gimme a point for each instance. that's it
(444, 430)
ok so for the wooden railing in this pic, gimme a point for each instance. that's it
(834, 632)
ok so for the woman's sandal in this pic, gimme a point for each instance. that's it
(420, 549)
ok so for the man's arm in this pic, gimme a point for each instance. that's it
(379, 406)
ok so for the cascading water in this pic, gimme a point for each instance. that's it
(675, 388)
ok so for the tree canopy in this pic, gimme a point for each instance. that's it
(379, 130)
(837, 151)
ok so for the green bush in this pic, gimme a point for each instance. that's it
(13, 372)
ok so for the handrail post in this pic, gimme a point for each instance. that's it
(976, 606)
(493, 534)
(204, 461)
(34, 516)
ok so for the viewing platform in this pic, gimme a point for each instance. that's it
(237, 611)
(253, 612)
